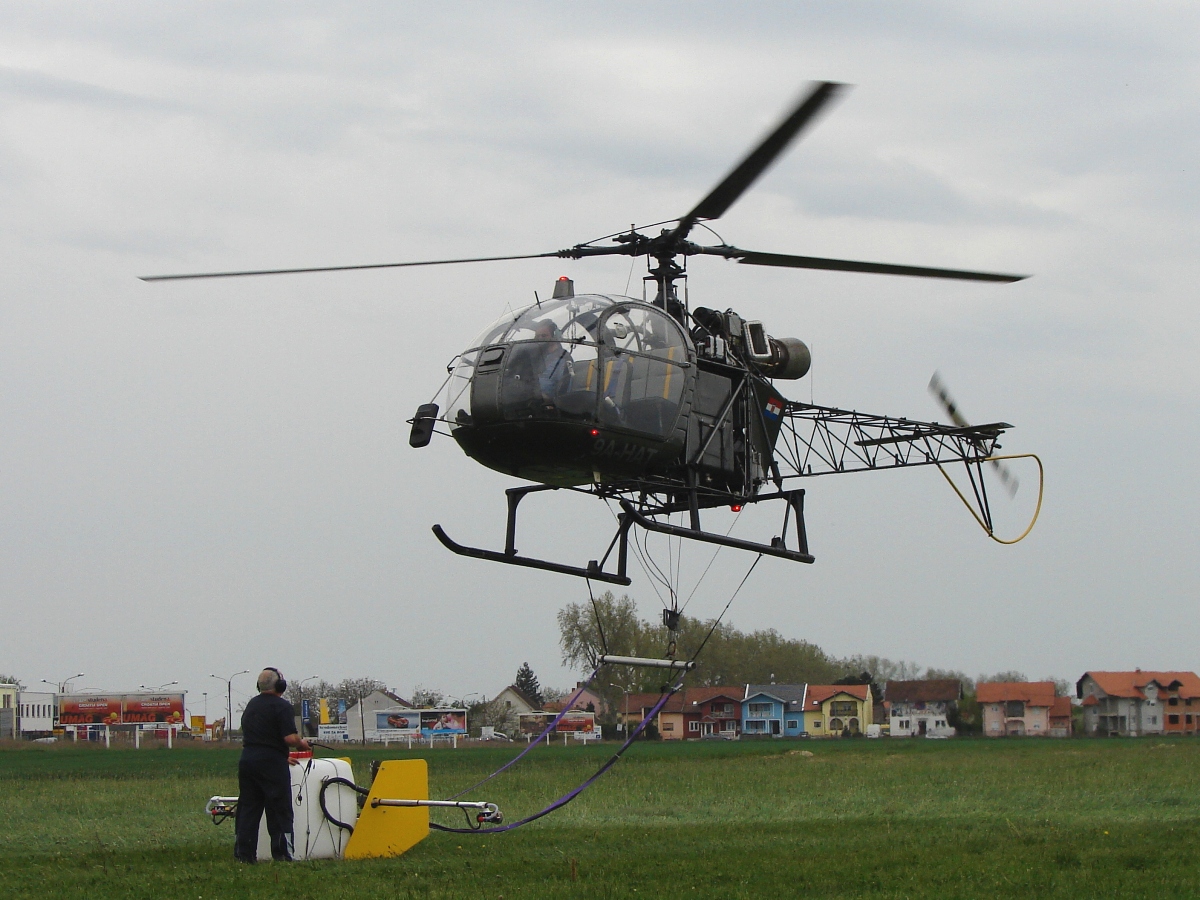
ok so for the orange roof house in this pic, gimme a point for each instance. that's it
(1013, 708)
(831, 710)
(1140, 702)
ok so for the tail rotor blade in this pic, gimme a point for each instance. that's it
(939, 390)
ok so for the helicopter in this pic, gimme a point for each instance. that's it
(668, 410)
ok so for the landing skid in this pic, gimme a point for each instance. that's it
(643, 517)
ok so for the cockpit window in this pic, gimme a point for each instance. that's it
(574, 318)
(590, 358)
(641, 374)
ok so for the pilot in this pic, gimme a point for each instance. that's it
(538, 371)
(554, 368)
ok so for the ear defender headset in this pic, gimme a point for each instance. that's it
(280, 681)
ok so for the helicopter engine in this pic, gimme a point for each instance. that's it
(726, 337)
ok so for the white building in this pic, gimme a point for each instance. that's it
(376, 701)
(922, 708)
(36, 712)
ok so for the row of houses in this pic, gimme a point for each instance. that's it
(1111, 704)
(1108, 703)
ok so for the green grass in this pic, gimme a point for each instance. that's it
(963, 818)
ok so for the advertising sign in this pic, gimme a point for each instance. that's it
(339, 733)
(333, 711)
(421, 721)
(443, 721)
(574, 722)
(398, 721)
(577, 721)
(89, 709)
(534, 723)
(166, 708)
(120, 709)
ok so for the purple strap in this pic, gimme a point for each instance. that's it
(549, 728)
(570, 795)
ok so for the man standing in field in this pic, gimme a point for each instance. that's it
(264, 783)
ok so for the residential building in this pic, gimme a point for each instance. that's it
(834, 710)
(1137, 702)
(773, 709)
(372, 703)
(1061, 715)
(711, 712)
(691, 714)
(922, 708)
(1016, 707)
(516, 702)
(588, 701)
(35, 712)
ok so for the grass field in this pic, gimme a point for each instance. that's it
(962, 818)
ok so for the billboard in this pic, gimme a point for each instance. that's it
(89, 709)
(400, 721)
(575, 721)
(333, 711)
(166, 708)
(120, 709)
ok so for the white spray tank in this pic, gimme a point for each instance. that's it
(314, 835)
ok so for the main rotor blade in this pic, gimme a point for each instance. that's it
(751, 258)
(428, 262)
(725, 194)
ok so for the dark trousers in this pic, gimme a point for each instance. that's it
(264, 783)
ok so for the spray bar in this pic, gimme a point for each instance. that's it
(450, 804)
(489, 813)
(646, 662)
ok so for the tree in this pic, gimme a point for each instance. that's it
(10, 679)
(1010, 676)
(495, 714)
(427, 698)
(527, 683)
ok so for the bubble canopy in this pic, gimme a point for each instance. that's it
(587, 361)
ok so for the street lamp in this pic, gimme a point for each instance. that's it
(62, 686)
(161, 687)
(229, 696)
(624, 690)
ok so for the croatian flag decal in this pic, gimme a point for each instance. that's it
(774, 408)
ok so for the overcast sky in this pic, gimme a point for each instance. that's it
(215, 476)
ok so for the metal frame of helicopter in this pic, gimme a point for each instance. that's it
(812, 440)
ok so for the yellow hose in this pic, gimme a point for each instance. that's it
(1037, 511)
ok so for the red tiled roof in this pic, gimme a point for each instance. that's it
(819, 693)
(687, 700)
(1061, 708)
(1132, 684)
(1090, 700)
(930, 691)
(1035, 693)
